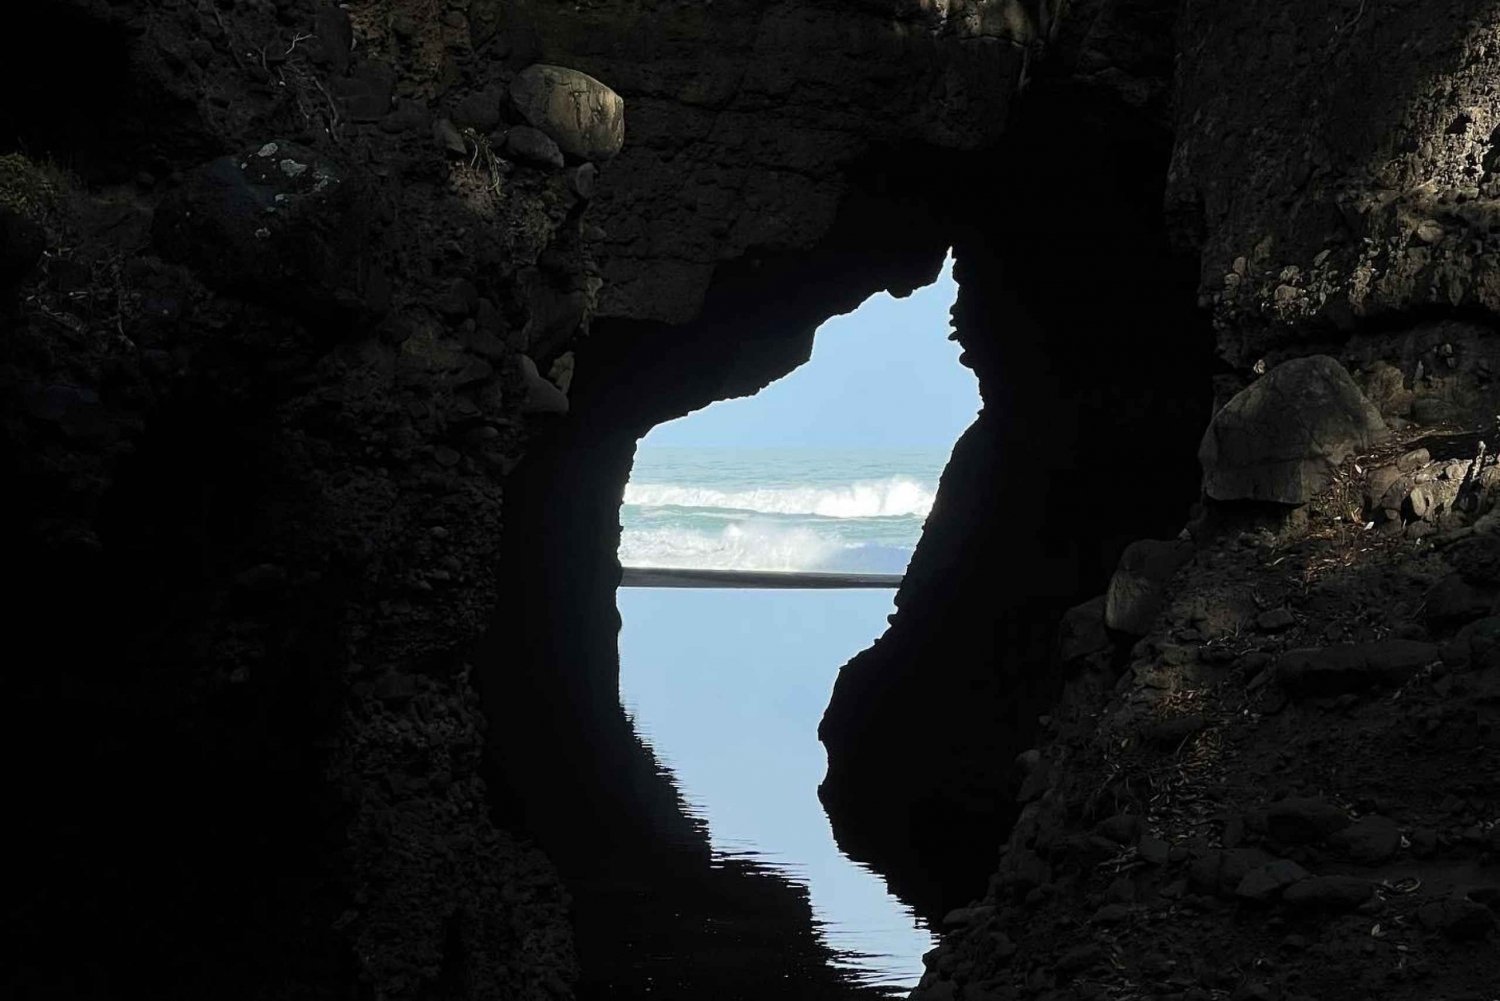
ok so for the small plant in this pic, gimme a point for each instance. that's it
(484, 154)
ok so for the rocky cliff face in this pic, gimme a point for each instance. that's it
(1269, 772)
(328, 334)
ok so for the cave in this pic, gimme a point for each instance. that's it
(314, 540)
(1082, 402)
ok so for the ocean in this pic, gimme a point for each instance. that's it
(811, 509)
(727, 686)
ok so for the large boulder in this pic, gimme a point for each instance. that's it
(1281, 438)
(584, 117)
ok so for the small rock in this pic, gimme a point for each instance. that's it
(1304, 820)
(1121, 891)
(1413, 459)
(1135, 592)
(1110, 914)
(1453, 601)
(542, 397)
(1122, 829)
(1080, 958)
(1082, 631)
(583, 179)
(459, 300)
(1154, 850)
(366, 96)
(533, 146)
(1266, 881)
(1424, 842)
(1429, 231)
(448, 138)
(1458, 918)
(1330, 893)
(1224, 870)
(408, 116)
(1369, 840)
(481, 110)
(961, 916)
(1276, 620)
(333, 38)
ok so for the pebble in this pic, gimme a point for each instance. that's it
(1334, 893)
(1264, 882)
(1370, 840)
(533, 146)
(1276, 620)
(447, 137)
(1304, 820)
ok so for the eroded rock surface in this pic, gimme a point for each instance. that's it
(1323, 823)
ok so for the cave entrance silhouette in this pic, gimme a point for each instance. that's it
(1078, 315)
(821, 480)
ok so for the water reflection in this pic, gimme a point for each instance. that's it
(726, 687)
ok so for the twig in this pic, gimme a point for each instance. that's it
(296, 38)
(333, 109)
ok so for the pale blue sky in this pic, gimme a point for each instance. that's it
(883, 376)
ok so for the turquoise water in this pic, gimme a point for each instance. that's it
(851, 510)
(728, 686)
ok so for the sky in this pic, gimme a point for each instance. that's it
(883, 376)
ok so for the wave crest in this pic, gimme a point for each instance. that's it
(897, 496)
(753, 546)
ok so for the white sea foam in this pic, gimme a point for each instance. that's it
(893, 497)
(756, 546)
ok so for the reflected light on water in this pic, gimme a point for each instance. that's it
(727, 688)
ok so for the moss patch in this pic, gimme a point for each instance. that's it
(27, 189)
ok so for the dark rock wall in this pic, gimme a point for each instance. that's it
(257, 396)
(745, 115)
(1092, 409)
(1335, 162)
(279, 288)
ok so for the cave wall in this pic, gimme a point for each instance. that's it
(261, 457)
(261, 380)
(287, 509)
(1335, 163)
(745, 116)
(1092, 408)
(1082, 392)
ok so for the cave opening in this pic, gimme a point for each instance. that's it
(1078, 316)
(818, 486)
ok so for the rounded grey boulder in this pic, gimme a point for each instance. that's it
(584, 117)
(1281, 438)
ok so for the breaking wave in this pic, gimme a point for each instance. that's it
(756, 546)
(897, 496)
